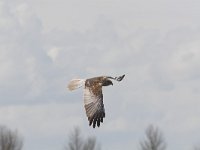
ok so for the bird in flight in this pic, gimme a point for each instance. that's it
(93, 96)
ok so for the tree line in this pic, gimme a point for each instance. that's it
(154, 140)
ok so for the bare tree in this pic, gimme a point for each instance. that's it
(77, 142)
(91, 144)
(197, 148)
(154, 140)
(10, 140)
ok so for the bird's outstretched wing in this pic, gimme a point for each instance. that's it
(93, 102)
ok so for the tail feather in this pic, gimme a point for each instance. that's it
(75, 84)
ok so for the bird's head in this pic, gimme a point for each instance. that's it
(107, 82)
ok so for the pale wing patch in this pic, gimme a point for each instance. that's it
(89, 97)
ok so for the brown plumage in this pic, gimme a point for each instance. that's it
(93, 96)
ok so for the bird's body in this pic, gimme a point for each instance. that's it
(93, 96)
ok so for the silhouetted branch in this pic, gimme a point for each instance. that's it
(154, 140)
(76, 142)
(9, 140)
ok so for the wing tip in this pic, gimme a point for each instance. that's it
(96, 121)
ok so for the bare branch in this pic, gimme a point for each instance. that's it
(90, 144)
(76, 142)
(154, 140)
(197, 148)
(9, 140)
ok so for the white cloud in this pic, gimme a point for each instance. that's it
(21, 52)
(42, 118)
(117, 125)
(53, 53)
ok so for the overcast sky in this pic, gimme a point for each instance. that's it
(46, 43)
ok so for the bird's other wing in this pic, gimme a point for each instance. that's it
(119, 78)
(93, 102)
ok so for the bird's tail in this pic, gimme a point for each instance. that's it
(75, 84)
